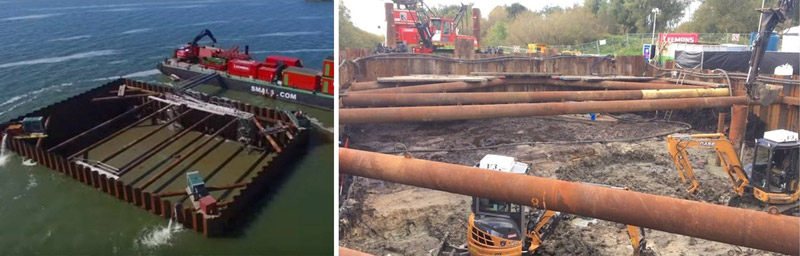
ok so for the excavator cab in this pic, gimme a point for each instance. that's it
(502, 228)
(774, 171)
(495, 227)
(190, 51)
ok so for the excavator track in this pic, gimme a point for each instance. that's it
(750, 202)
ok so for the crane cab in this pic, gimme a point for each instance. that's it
(774, 171)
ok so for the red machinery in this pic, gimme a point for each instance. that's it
(417, 31)
(190, 51)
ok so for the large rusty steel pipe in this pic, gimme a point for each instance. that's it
(370, 85)
(754, 229)
(738, 124)
(471, 98)
(447, 113)
(437, 87)
(619, 85)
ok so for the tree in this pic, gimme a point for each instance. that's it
(635, 16)
(727, 16)
(551, 9)
(352, 37)
(451, 11)
(498, 14)
(572, 26)
(497, 34)
(515, 9)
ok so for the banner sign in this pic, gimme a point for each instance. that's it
(679, 37)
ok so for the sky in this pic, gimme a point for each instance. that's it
(369, 16)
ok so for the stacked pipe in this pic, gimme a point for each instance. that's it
(448, 113)
(469, 98)
(415, 103)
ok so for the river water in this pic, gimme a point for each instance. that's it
(55, 49)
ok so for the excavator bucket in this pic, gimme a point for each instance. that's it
(763, 94)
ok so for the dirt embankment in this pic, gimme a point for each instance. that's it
(394, 219)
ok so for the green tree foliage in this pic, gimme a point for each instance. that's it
(551, 9)
(497, 34)
(497, 15)
(635, 16)
(352, 37)
(728, 16)
(570, 26)
(515, 9)
(450, 11)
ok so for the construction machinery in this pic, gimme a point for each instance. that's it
(419, 29)
(771, 178)
(501, 228)
(537, 48)
(758, 92)
(496, 228)
(202, 200)
(28, 128)
(191, 51)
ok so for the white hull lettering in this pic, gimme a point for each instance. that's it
(271, 93)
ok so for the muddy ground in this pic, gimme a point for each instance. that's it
(391, 219)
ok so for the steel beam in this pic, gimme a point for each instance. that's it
(754, 229)
(117, 133)
(133, 96)
(471, 98)
(144, 137)
(112, 120)
(187, 155)
(446, 113)
(794, 101)
(158, 147)
(267, 136)
(438, 87)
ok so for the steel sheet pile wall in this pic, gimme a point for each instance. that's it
(386, 65)
(292, 147)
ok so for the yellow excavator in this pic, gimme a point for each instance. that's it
(496, 228)
(772, 177)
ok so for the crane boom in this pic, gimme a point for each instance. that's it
(460, 16)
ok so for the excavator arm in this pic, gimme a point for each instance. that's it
(757, 92)
(638, 241)
(677, 145)
(544, 226)
(202, 34)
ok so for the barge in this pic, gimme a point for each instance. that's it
(278, 77)
(197, 160)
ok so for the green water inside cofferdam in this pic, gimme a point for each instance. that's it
(63, 48)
